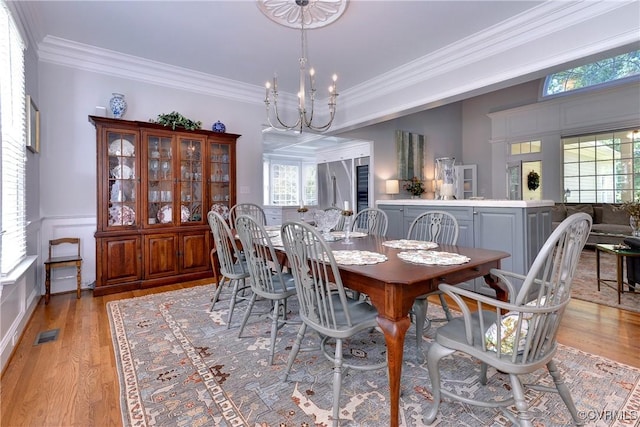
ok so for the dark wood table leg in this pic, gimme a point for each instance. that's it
(598, 267)
(501, 294)
(620, 272)
(394, 332)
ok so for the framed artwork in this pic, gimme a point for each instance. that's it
(33, 126)
(410, 155)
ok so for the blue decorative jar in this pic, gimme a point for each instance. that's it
(118, 105)
(218, 127)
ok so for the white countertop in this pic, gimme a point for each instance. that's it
(467, 202)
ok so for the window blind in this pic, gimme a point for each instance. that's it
(13, 130)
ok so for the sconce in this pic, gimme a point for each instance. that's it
(392, 186)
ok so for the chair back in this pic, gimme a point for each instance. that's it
(267, 279)
(321, 295)
(434, 226)
(226, 247)
(371, 221)
(536, 321)
(250, 209)
(64, 241)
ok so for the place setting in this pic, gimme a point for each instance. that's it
(428, 257)
(357, 257)
(410, 244)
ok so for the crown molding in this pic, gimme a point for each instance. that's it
(521, 30)
(525, 29)
(104, 61)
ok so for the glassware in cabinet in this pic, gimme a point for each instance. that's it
(159, 179)
(220, 167)
(191, 179)
(121, 184)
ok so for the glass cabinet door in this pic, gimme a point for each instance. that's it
(190, 179)
(122, 179)
(220, 159)
(160, 180)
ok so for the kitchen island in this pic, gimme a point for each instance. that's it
(519, 227)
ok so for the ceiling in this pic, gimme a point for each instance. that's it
(234, 40)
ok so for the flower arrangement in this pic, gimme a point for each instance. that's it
(632, 208)
(533, 181)
(414, 186)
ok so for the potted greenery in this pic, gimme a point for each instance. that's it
(175, 120)
(533, 181)
(415, 187)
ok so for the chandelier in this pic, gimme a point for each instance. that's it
(305, 14)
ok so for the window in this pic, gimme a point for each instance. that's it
(602, 167)
(289, 182)
(526, 147)
(12, 127)
(594, 74)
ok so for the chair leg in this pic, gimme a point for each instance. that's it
(445, 307)
(274, 330)
(435, 353)
(294, 350)
(337, 381)
(247, 314)
(483, 373)
(232, 301)
(420, 306)
(78, 280)
(524, 416)
(216, 294)
(564, 392)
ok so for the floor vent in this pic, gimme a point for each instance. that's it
(47, 336)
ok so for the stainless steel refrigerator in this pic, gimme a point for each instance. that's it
(338, 181)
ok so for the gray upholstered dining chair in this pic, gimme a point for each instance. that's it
(232, 265)
(246, 209)
(324, 305)
(371, 221)
(438, 227)
(519, 336)
(267, 279)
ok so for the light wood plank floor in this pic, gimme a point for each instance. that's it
(73, 380)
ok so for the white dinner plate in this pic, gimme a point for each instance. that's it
(122, 172)
(121, 147)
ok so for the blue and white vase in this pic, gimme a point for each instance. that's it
(219, 127)
(118, 105)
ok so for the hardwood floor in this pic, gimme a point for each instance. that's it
(73, 380)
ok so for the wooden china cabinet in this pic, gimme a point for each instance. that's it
(155, 187)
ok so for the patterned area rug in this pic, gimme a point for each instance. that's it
(585, 286)
(180, 366)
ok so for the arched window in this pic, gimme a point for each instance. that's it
(594, 74)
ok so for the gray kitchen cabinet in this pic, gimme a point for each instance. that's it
(517, 227)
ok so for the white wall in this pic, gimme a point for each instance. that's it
(476, 129)
(67, 181)
(606, 109)
(441, 128)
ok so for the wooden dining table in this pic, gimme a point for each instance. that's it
(394, 284)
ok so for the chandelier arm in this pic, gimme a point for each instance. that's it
(281, 123)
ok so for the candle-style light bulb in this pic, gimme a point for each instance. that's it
(266, 94)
